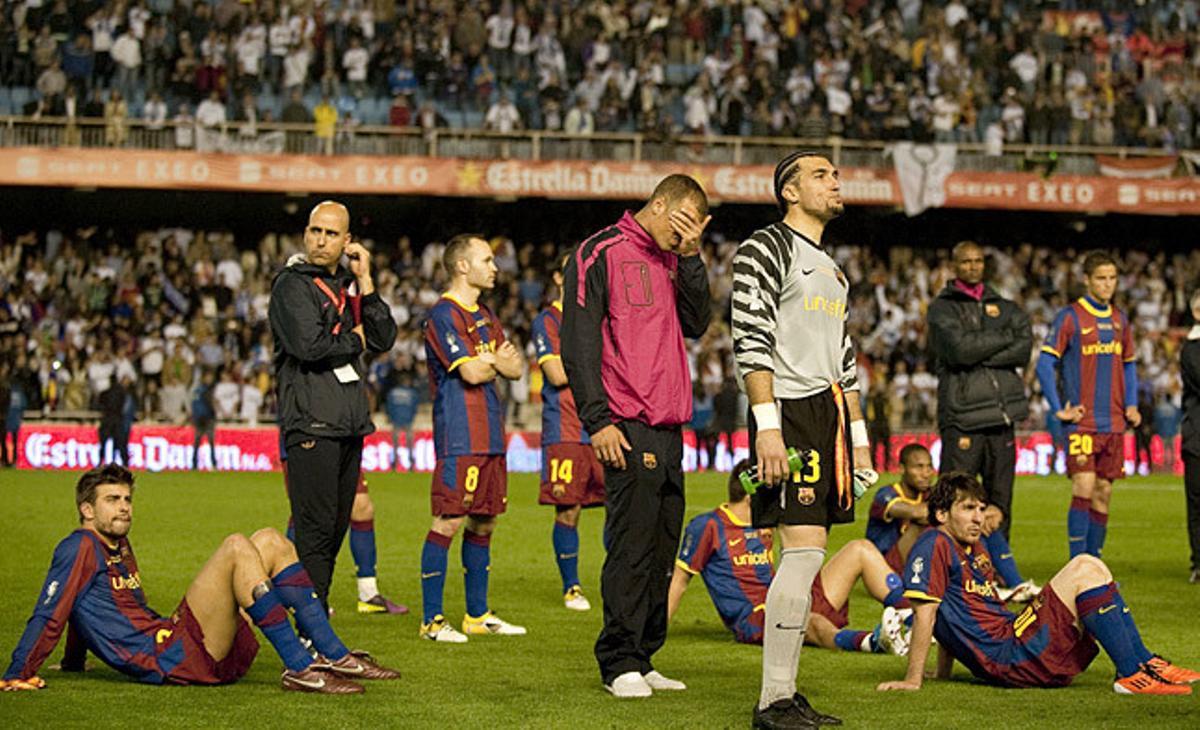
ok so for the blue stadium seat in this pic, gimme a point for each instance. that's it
(20, 97)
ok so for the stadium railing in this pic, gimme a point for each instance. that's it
(279, 138)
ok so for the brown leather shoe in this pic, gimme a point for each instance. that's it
(319, 681)
(357, 665)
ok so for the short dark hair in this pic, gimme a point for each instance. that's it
(677, 188)
(85, 488)
(736, 491)
(562, 259)
(911, 450)
(456, 250)
(1095, 260)
(785, 170)
(953, 487)
(962, 246)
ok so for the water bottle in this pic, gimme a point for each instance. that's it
(749, 477)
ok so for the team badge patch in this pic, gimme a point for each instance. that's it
(991, 310)
(649, 460)
(964, 442)
(806, 495)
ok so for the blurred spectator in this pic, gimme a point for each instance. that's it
(204, 419)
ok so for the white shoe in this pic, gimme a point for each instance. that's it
(629, 685)
(490, 623)
(575, 600)
(659, 682)
(1020, 593)
(439, 630)
(892, 635)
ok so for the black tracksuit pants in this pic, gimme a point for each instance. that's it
(1191, 487)
(643, 521)
(322, 477)
(990, 454)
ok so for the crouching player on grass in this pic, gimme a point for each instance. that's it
(951, 583)
(95, 588)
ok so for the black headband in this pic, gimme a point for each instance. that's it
(783, 173)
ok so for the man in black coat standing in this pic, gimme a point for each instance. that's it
(1189, 358)
(977, 341)
(323, 318)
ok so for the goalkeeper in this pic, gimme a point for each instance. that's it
(798, 366)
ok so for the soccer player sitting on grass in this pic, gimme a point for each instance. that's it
(900, 513)
(94, 586)
(950, 580)
(735, 561)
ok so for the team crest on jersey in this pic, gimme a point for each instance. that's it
(918, 565)
(991, 310)
(806, 495)
(51, 590)
(964, 442)
(649, 460)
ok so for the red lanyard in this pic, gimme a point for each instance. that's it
(338, 301)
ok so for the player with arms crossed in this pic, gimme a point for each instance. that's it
(736, 562)
(95, 587)
(466, 350)
(798, 364)
(572, 477)
(899, 513)
(1090, 347)
(950, 580)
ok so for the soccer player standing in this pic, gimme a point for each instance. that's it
(323, 409)
(632, 292)
(466, 350)
(798, 365)
(1090, 349)
(572, 477)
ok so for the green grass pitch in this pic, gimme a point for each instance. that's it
(548, 679)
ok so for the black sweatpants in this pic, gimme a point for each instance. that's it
(322, 477)
(644, 517)
(990, 454)
(1191, 488)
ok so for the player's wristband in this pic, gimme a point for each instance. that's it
(766, 416)
(858, 433)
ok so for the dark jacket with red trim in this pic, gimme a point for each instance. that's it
(313, 338)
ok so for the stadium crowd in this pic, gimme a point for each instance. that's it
(962, 70)
(178, 317)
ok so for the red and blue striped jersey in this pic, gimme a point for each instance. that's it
(882, 529)
(972, 622)
(99, 591)
(735, 560)
(1092, 344)
(467, 419)
(560, 420)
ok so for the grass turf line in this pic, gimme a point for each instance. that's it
(549, 678)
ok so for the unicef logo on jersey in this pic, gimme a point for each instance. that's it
(451, 342)
(918, 565)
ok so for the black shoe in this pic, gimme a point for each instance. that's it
(1195, 576)
(782, 715)
(818, 718)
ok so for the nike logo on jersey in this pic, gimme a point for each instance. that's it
(430, 575)
(735, 542)
(806, 272)
(789, 628)
(1106, 609)
(1088, 330)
